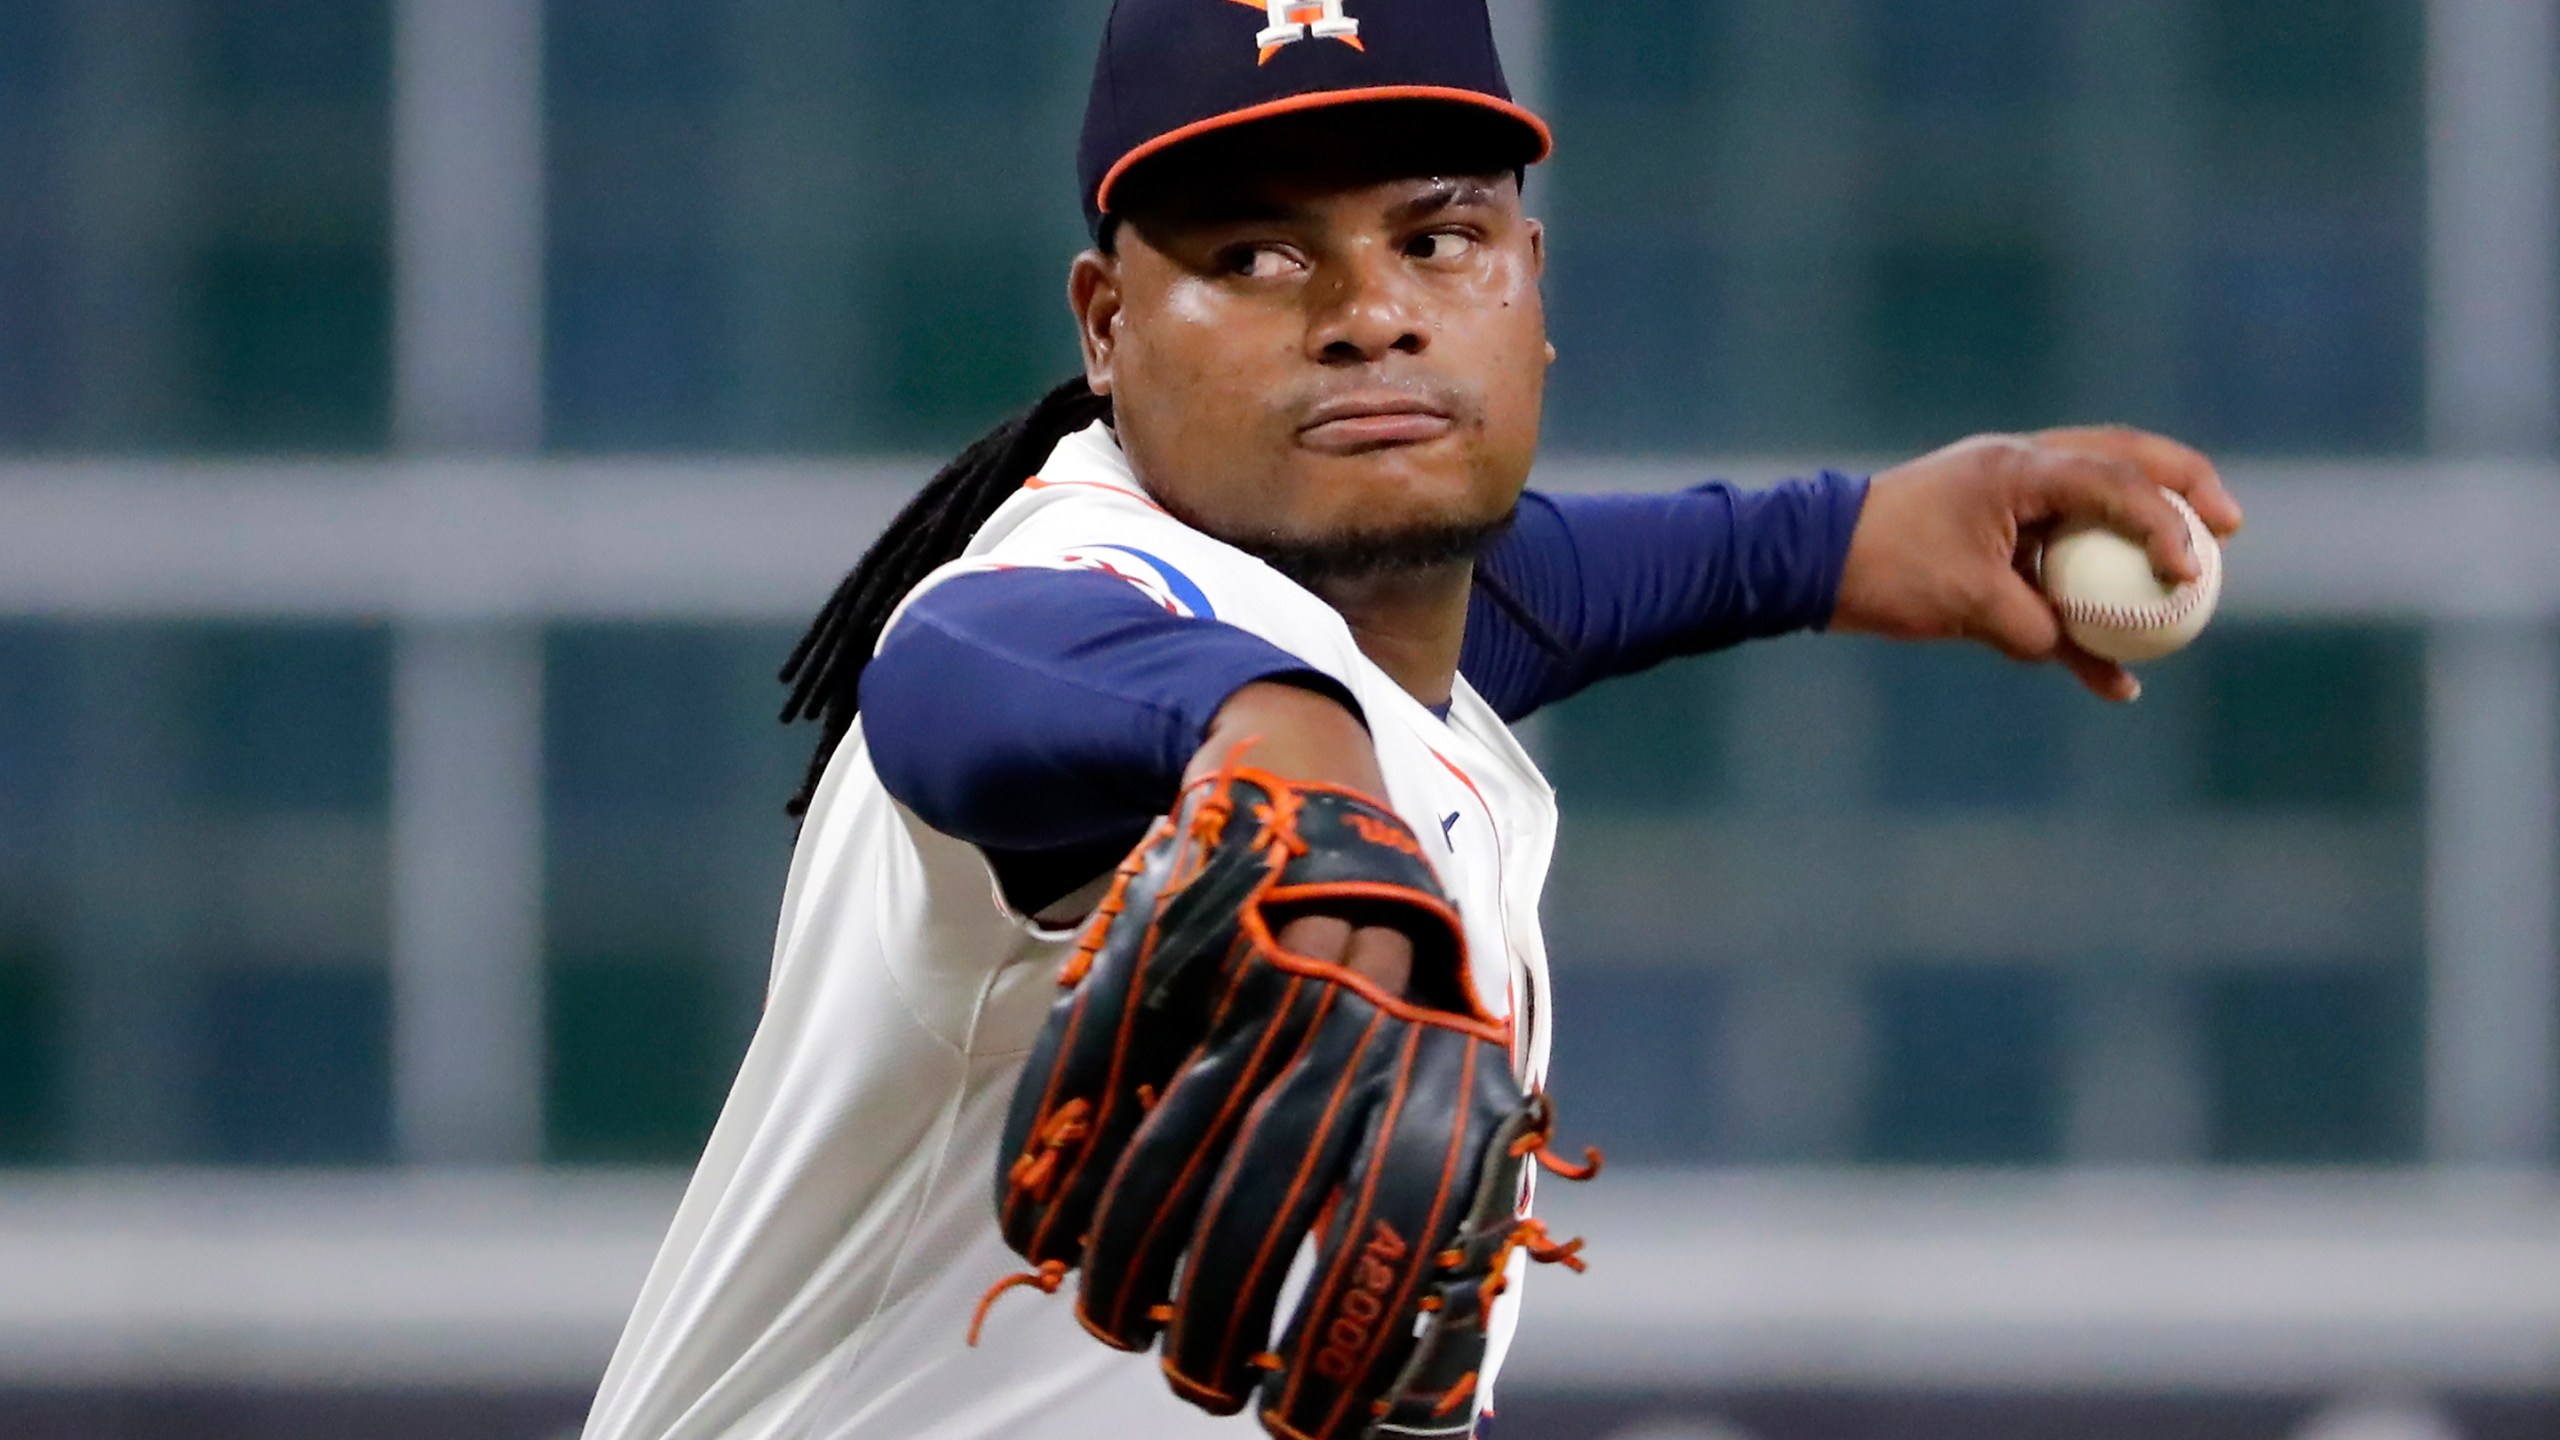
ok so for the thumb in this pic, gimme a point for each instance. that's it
(2018, 621)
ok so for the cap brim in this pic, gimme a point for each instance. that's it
(1536, 129)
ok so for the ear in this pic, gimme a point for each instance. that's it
(1538, 247)
(1093, 292)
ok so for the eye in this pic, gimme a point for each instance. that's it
(1441, 245)
(1256, 262)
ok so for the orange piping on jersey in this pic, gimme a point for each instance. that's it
(1036, 483)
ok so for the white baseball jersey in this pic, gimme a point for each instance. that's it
(819, 1278)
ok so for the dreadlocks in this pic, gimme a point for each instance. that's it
(825, 668)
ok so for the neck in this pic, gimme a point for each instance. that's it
(1409, 622)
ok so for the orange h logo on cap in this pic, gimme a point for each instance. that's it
(1296, 20)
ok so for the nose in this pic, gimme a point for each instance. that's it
(1367, 308)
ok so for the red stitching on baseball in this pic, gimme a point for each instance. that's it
(2180, 603)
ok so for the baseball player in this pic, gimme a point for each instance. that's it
(1270, 568)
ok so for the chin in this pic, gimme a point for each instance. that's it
(1399, 488)
(1358, 522)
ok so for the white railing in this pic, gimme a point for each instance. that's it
(764, 539)
(2097, 1281)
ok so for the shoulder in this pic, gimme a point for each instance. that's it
(1085, 511)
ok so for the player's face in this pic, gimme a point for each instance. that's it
(1328, 367)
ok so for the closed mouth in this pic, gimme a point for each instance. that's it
(1354, 423)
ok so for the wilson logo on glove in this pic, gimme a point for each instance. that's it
(1203, 1101)
(1376, 832)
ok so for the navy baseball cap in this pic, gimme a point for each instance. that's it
(1173, 70)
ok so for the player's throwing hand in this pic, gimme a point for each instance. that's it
(1945, 545)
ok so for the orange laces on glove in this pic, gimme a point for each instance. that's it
(1278, 818)
(1533, 1143)
(1046, 1280)
(1037, 1165)
(1529, 1237)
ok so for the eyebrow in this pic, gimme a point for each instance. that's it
(1443, 195)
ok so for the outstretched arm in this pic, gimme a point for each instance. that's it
(1586, 587)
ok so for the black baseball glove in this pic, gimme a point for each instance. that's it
(1201, 1100)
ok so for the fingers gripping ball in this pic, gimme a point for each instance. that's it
(1203, 1101)
(2112, 604)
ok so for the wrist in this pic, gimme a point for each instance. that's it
(1866, 562)
(1847, 496)
(1296, 733)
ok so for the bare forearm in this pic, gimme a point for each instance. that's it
(1300, 735)
(1295, 734)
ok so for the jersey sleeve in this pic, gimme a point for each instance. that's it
(1047, 715)
(1586, 587)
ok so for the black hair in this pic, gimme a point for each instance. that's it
(825, 668)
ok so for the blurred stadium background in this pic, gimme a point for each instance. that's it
(424, 423)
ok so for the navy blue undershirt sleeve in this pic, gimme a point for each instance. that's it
(1047, 716)
(1605, 585)
(1034, 710)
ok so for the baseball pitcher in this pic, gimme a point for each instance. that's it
(1158, 1029)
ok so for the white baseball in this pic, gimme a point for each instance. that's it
(2112, 604)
